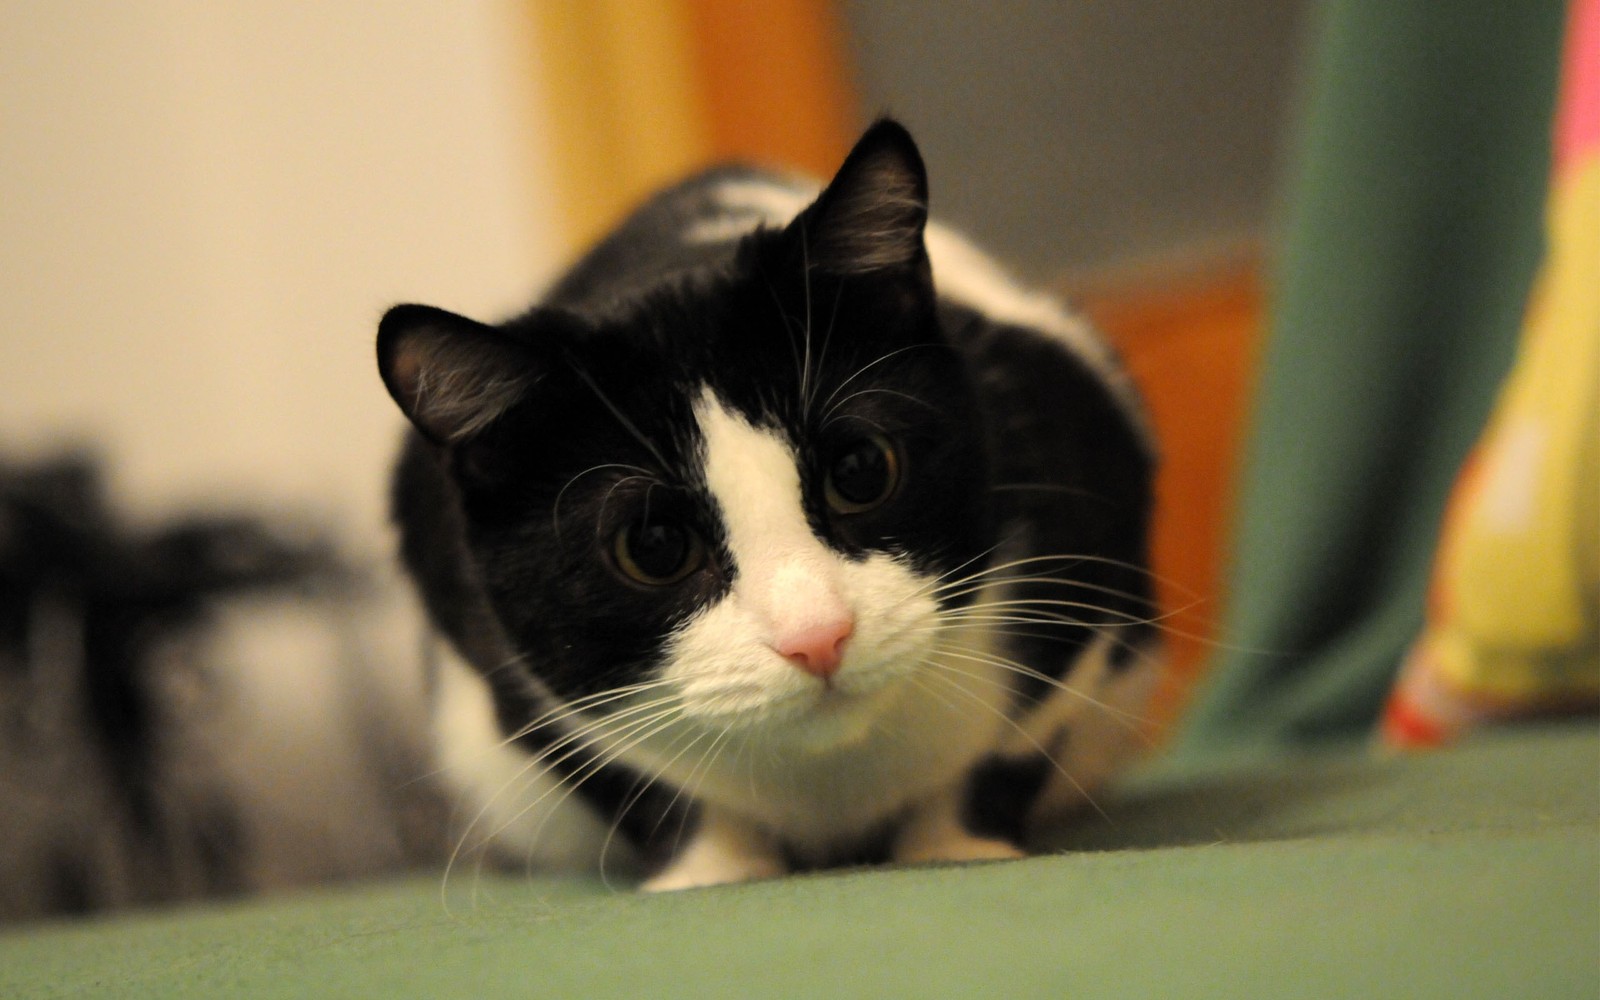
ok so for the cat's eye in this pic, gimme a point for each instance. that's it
(657, 553)
(862, 475)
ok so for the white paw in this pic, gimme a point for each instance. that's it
(724, 849)
(956, 845)
(700, 868)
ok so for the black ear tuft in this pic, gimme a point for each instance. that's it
(872, 214)
(452, 376)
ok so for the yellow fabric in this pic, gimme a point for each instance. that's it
(623, 114)
(1516, 617)
(1522, 560)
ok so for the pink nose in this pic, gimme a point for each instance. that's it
(817, 649)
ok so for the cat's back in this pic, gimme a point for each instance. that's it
(689, 228)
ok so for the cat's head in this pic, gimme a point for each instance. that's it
(737, 487)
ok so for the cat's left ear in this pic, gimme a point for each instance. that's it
(871, 216)
(451, 376)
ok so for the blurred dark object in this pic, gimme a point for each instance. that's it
(89, 611)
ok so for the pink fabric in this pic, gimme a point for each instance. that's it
(1578, 111)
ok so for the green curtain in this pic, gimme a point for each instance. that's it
(1412, 231)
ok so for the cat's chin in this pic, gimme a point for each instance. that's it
(838, 719)
(817, 718)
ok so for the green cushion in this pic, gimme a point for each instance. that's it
(1473, 872)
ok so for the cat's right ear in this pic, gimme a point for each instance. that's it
(871, 217)
(451, 376)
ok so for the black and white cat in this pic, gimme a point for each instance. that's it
(784, 532)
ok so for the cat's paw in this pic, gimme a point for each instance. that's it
(724, 849)
(934, 832)
(701, 868)
(956, 845)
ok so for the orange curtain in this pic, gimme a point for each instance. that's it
(638, 94)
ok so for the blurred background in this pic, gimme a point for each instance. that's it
(207, 206)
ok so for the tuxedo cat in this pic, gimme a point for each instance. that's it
(785, 531)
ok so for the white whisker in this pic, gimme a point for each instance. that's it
(1133, 722)
(808, 400)
(635, 730)
(621, 417)
(1025, 735)
(555, 507)
(540, 764)
(863, 370)
(805, 284)
(692, 783)
(641, 786)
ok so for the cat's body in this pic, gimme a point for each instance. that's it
(748, 553)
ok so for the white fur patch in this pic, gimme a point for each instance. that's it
(961, 273)
(508, 799)
(724, 849)
(746, 204)
(787, 578)
(1101, 711)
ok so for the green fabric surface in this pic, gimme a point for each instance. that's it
(1413, 229)
(1469, 873)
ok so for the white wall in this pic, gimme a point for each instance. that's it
(205, 207)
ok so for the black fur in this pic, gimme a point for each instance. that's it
(506, 499)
